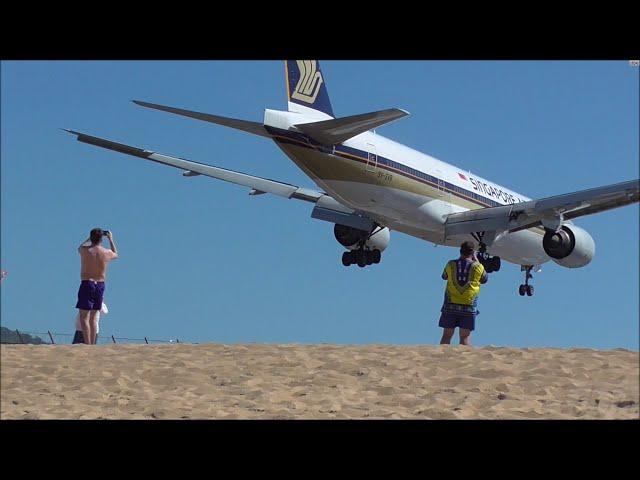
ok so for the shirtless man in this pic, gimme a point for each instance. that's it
(93, 261)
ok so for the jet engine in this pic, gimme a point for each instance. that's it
(571, 246)
(350, 237)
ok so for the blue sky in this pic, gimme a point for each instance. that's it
(203, 261)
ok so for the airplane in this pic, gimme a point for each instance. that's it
(371, 185)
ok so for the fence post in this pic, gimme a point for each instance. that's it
(51, 337)
(177, 341)
(146, 341)
(19, 336)
(112, 338)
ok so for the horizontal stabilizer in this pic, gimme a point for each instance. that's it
(333, 132)
(244, 125)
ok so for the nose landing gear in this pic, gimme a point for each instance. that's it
(526, 288)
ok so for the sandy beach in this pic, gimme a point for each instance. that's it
(256, 381)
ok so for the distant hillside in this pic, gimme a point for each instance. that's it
(10, 336)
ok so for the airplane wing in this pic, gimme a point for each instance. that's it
(327, 208)
(549, 212)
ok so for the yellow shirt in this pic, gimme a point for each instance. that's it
(467, 293)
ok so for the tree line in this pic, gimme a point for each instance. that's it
(11, 336)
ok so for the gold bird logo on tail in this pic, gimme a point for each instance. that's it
(309, 83)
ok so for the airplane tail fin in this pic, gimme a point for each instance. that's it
(306, 89)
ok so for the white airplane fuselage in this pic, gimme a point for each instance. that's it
(402, 188)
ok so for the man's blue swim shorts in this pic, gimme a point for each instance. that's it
(90, 295)
(453, 320)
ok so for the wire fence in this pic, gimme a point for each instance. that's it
(54, 338)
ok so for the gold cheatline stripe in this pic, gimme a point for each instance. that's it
(384, 167)
(401, 172)
(336, 169)
(407, 176)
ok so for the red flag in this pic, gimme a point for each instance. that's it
(462, 176)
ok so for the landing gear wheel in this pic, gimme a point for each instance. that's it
(368, 258)
(530, 290)
(360, 256)
(522, 290)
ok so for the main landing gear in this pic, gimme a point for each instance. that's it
(361, 257)
(526, 288)
(365, 247)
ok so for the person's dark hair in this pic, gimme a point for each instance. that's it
(467, 248)
(96, 236)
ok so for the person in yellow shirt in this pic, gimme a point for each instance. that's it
(459, 309)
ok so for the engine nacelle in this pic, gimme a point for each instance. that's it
(350, 237)
(571, 246)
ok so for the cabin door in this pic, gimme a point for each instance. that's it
(372, 158)
(443, 192)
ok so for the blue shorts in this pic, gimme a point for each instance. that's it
(453, 320)
(90, 295)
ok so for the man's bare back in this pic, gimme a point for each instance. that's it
(93, 262)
